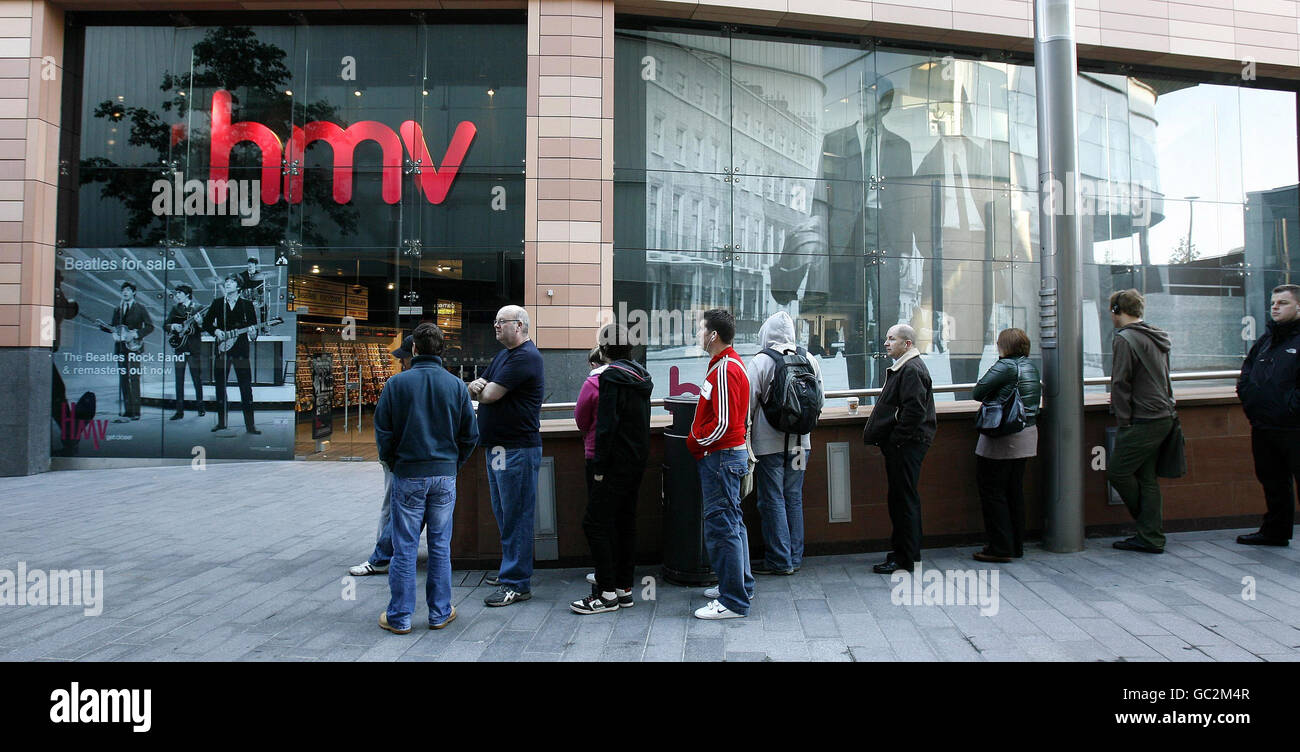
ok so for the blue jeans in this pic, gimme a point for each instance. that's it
(780, 505)
(429, 503)
(512, 480)
(384, 538)
(725, 537)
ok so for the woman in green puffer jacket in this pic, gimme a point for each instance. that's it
(1000, 462)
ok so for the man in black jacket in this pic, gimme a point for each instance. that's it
(1269, 388)
(187, 353)
(225, 316)
(903, 424)
(131, 323)
(622, 446)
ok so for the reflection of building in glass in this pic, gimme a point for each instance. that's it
(859, 187)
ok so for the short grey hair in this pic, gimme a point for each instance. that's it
(518, 313)
(905, 332)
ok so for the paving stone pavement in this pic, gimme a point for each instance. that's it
(248, 561)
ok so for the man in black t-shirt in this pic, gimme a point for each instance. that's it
(509, 417)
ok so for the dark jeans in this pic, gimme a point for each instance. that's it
(1002, 498)
(1277, 466)
(128, 381)
(903, 471)
(779, 481)
(192, 362)
(610, 525)
(725, 539)
(244, 374)
(1132, 471)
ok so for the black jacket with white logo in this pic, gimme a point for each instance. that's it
(1270, 377)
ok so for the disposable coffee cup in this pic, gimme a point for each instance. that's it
(853, 404)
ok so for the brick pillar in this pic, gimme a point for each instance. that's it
(569, 232)
(31, 80)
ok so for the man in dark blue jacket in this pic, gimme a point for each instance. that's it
(426, 430)
(1269, 388)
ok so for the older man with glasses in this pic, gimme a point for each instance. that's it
(509, 417)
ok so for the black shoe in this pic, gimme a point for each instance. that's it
(763, 568)
(594, 604)
(1259, 539)
(202, 412)
(135, 417)
(218, 427)
(492, 579)
(1135, 544)
(887, 567)
(253, 431)
(177, 416)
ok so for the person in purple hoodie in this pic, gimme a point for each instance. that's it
(584, 413)
(613, 412)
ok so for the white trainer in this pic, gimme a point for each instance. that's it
(365, 569)
(713, 593)
(715, 610)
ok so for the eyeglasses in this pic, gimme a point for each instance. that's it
(499, 322)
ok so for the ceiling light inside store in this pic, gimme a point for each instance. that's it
(390, 285)
(315, 270)
(288, 92)
(181, 93)
(492, 92)
(356, 93)
(426, 92)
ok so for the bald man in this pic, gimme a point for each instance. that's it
(902, 424)
(509, 398)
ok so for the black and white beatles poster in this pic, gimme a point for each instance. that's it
(148, 341)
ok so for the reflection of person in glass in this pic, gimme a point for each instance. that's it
(182, 331)
(850, 210)
(130, 325)
(231, 319)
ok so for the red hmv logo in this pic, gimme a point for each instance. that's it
(433, 181)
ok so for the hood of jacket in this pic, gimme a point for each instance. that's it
(777, 330)
(627, 374)
(1157, 335)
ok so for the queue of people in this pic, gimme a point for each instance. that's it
(755, 420)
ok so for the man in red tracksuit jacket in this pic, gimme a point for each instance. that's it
(717, 442)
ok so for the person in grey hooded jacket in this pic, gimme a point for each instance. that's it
(781, 460)
(1143, 403)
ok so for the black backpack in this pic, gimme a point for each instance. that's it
(795, 399)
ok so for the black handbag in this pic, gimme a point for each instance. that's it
(1002, 417)
(1171, 462)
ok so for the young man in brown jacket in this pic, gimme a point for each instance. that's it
(1143, 405)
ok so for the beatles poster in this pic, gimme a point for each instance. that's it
(177, 353)
(322, 387)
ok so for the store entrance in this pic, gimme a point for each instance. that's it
(347, 332)
(353, 314)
